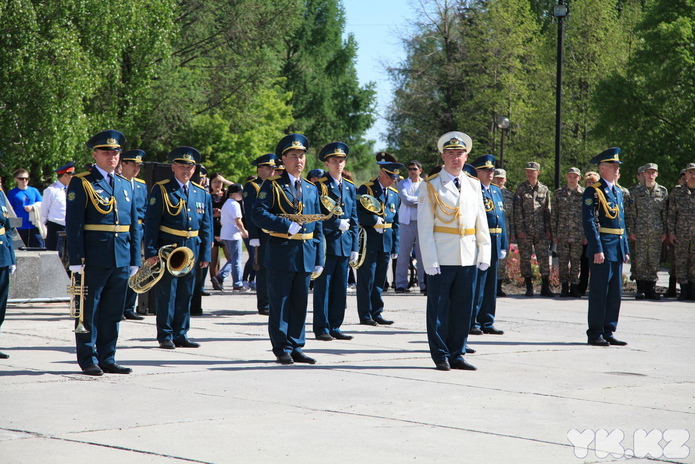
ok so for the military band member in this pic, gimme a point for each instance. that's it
(8, 262)
(500, 179)
(379, 219)
(485, 305)
(455, 243)
(681, 228)
(131, 162)
(293, 253)
(103, 238)
(532, 227)
(258, 239)
(603, 219)
(53, 207)
(340, 234)
(645, 218)
(567, 232)
(178, 212)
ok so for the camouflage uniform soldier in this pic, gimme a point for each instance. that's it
(645, 218)
(671, 249)
(568, 233)
(532, 227)
(500, 179)
(681, 229)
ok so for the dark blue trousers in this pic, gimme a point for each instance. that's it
(605, 293)
(371, 280)
(103, 310)
(131, 299)
(173, 302)
(486, 297)
(288, 297)
(261, 276)
(330, 295)
(450, 298)
(4, 291)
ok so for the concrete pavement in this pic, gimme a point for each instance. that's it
(538, 390)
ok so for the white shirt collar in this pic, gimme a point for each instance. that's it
(105, 174)
(181, 184)
(452, 177)
(610, 184)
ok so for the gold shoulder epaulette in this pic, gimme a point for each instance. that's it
(348, 180)
(140, 180)
(597, 185)
(163, 182)
(273, 178)
(433, 176)
(391, 188)
(307, 180)
(198, 185)
(322, 179)
(368, 184)
(496, 185)
(473, 177)
(122, 177)
(82, 174)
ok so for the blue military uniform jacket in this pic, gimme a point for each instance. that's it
(92, 202)
(387, 242)
(339, 243)
(140, 194)
(173, 218)
(7, 257)
(494, 210)
(284, 254)
(603, 218)
(251, 190)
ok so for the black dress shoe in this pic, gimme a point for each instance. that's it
(470, 350)
(463, 365)
(186, 343)
(324, 337)
(614, 341)
(341, 336)
(402, 290)
(264, 312)
(216, 284)
(115, 369)
(5, 356)
(167, 345)
(475, 331)
(300, 357)
(598, 342)
(380, 320)
(284, 358)
(204, 293)
(131, 315)
(93, 369)
(443, 365)
(492, 331)
(368, 322)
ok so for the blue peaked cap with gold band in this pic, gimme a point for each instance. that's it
(291, 142)
(470, 170)
(185, 155)
(136, 156)
(392, 169)
(269, 159)
(612, 155)
(107, 140)
(337, 149)
(484, 162)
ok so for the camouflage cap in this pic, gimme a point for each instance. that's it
(651, 166)
(682, 173)
(500, 173)
(641, 169)
(689, 166)
(533, 166)
(574, 171)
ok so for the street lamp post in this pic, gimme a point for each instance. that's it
(503, 124)
(560, 11)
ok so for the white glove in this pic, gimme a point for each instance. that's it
(353, 256)
(317, 271)
(344, 225)
(255, 242)
(434, 270)
(378, 222)
(77, 268)
(133, 270)
(13, 268)
(503, 254)
(483, 266)
(294, 228)
(394, 255)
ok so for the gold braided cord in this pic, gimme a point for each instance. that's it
(489, 204)
(277, 191)
(454, 212)
(170, 206)
(611, 212)
(96, 199)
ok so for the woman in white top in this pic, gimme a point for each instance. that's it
(232, 234)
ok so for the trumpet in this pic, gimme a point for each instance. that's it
(178, 261)
(77, 290)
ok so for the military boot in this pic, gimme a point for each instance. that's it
(529, 286)
(574, 291)
(565, 292)
(650, 291)
(500, 292)
(685, 292)
(639, 294)
(671, 291)
(545, 289)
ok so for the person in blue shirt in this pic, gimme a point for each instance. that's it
(26, 202)
(8, 262)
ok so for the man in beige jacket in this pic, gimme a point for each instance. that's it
(454, 240)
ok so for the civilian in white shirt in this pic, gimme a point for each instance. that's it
(232, 234)
(53, 207)
(407, 217)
